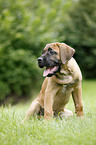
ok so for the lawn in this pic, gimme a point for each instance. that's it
(73, 131)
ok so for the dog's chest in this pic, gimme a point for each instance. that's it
(66, 89)
(64, 93)
(62, 97)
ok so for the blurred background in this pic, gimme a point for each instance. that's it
(26, 26)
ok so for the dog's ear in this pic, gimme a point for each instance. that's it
(66, 52)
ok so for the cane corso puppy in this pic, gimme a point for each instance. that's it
(63, 78)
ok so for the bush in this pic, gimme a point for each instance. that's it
(4, 90)
(25, 28)
(80, 32)
(31, 24)
(19, 71)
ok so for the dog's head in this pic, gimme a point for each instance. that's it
(53, 55)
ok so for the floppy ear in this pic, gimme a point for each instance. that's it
(66, 52)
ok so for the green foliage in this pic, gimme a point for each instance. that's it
(80, 32)
(25, 27)
(18, 70)
(32, 24)
(4, 90)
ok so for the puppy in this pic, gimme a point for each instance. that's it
(63, 78)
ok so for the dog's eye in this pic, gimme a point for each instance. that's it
(53, 52)
(49, 49)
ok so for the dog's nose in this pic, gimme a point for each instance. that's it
(40, 59)
(40, 62)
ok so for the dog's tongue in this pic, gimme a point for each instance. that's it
(49, 70)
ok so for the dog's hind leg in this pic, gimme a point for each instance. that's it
(66, 113)
(34, 108)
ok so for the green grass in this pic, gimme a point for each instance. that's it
(73, 131)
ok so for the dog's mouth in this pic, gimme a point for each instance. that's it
(50, 71)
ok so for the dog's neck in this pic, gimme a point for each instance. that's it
(64, 74)
(63, 69)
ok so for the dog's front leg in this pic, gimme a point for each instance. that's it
(48, 105)
(50, 93)
(77, 98)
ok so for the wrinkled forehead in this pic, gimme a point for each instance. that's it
(53, 46)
